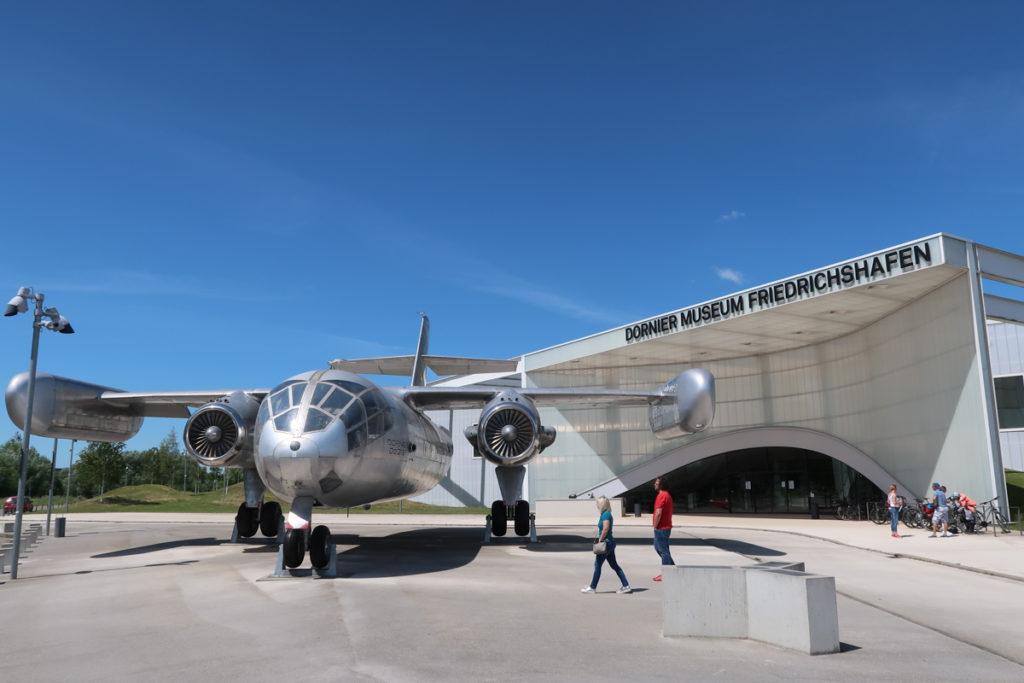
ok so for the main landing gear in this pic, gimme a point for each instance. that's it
(523, 520)
(265, 518)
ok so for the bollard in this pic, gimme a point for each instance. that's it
(58, 529)
(636, 509)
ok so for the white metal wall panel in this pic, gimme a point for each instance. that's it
(905, 391)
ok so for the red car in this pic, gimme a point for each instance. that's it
(11, 505)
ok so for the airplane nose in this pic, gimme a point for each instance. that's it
(298, 459)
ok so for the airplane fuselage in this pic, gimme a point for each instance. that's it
(340, 439)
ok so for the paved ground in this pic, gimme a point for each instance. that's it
(165, 597)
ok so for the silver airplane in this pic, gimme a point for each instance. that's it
(333, 438)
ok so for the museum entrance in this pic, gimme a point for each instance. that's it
(773, 480)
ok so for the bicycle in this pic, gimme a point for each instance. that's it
(879, 513)
(911, 516)
(988, 513)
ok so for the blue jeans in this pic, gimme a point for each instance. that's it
(661, 545)
(894, 518)
(610, 556)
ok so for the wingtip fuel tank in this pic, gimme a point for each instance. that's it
(687, 405)
(70, 409)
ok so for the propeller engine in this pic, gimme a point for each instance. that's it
(220, 434)
(509, 431)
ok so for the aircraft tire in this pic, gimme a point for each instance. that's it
(319, 547)
(522, 517)
(499, 518)
(294, 547)
(270, 519)
(247, 520)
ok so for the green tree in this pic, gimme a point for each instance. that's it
(37, 470)
(101, 464)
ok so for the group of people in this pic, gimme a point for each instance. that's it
(940, 509)
(662, 530)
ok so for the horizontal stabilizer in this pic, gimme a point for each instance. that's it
(441, 365)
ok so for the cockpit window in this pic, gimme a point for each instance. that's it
(350, 387)
(281, 398)
(319, 392)
(354, 414)
(371, 400)
(335, 402)
(316, 420)
(363, 409)
(285, 421)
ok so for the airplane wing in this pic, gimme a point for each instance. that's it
(169, 403)
(442, 398)
(441, 365)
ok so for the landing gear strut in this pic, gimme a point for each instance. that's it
(297, 539)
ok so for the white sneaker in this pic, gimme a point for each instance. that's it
(624, 589)
(587, 589)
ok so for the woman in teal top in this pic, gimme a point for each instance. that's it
(604, 533)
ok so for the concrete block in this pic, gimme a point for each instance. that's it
(704, 601)
(776, 564)
(793, 610)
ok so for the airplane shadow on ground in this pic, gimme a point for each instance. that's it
(419, 551)
(157, 547)
(430, 550)
(567, 543)
(579, 543)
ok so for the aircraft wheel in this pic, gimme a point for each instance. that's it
(319, 547)
(270, 518)
(294, 547)
(522, 517)
(499, 518)
(247, 521)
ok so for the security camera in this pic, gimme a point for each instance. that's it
(16, 305)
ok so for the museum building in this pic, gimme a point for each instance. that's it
(893, 367)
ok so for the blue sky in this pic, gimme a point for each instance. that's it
(222, 195)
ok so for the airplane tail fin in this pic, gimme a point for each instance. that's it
(419, 366)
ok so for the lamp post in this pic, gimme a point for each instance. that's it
(57, 323)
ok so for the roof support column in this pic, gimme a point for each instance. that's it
(995, 456)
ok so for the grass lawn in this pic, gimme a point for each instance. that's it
(153, 498)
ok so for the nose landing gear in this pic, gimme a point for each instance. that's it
(297, 539)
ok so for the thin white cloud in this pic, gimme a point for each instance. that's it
(529, 293)
(733, 215)
(730, 275)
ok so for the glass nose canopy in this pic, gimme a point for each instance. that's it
(363, 409)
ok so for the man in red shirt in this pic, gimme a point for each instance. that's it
(662, 524)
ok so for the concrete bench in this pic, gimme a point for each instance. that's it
(776, 603)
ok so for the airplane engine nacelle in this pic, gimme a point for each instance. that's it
(509, 431)
(69, 409)
(687, 408)
(220, 434)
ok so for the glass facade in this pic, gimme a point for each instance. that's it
(760, 481)
(1010, 401)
